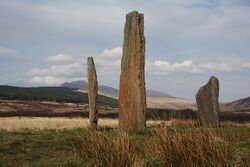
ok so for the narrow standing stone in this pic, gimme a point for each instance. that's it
(132, 99)
(208, 103)
(92, 93)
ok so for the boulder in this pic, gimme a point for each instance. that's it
(208, 103)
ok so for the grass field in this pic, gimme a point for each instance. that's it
(42, 123)
(38, 123)
(176, 143)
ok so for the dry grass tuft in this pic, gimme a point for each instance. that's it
(184, 123)
(104, 150)
(197, 147)
(162, 146)
(229, 124)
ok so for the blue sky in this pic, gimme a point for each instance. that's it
(47, 42)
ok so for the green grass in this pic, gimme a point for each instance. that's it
(58, 94)
(83, 147)
(37, 148)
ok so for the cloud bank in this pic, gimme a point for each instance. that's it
(108, 63)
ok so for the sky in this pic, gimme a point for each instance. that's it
(47, 42)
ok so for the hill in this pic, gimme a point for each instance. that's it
(158, 102)
(240, 105)
(58, 94)
(112, 92)
(109, 91)
(155, 99)
(75, 84)
(154, 93)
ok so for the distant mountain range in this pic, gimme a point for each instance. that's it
(241, 105)
(157, 99)
(107, 96)
(107, 90)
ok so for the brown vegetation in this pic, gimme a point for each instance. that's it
(41, 123)
(10, 108)
(162, 146)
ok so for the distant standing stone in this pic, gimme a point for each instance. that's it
(208, 104)
(92, 92)
(132, 99)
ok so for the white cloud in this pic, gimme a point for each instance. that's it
(160, 67)
(47, 80)
(108, 62)
(246, 65)
(69, 70)
(114, 53)
(7, 51)
(52, 80)
(57, 74)
(210, 66)
(59, 58)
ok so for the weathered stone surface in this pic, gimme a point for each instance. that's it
(208, 104)
(92, 92)
(132, 98)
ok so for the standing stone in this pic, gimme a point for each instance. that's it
(132, 99)
(92, 92)
(208, 104)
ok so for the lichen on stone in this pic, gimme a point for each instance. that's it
(126, 43)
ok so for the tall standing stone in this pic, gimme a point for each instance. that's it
(132, 99)
(92, 92)
(208, 103)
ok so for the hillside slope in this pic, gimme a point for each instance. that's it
(58, 94)
(154, 93)
(158, 102)
(112, 92)
(237, 105)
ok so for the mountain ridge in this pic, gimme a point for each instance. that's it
(75, 84)
(108, 90)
